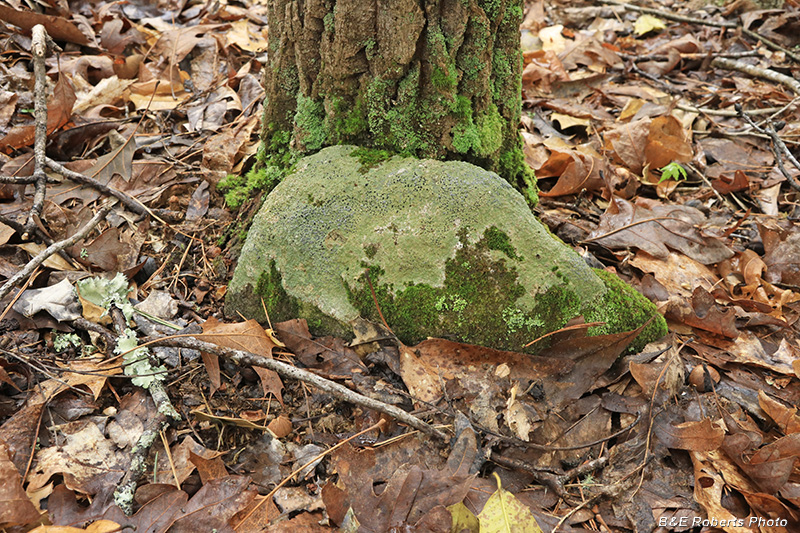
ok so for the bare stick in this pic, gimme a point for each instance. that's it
(131, 203)
(728, 25)
(779, 149)
(767, 74)
(292, 372)
(40, 43)
(55, 248)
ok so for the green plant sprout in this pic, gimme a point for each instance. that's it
(672, 171)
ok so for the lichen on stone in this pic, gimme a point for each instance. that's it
(449, 249)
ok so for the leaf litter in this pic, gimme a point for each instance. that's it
(702, 425)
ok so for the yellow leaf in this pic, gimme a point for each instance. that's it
(504, 513)
(552, 39)
(463, 519)
(55, 261)
(648, 23)
(567, 121)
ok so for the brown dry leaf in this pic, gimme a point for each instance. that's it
(214, 505)
(89, 462)
(280, 426)
(656, 228)
(159, 94)
(703, 312)
(5, 378)
(627, 143)
(543, 68)
(747, 348)
(428, 364)
(221, 150)
(730, 155)
(213, 468)
(58, 28)
(714, 475)
(782, 253)
(577, 172)
(329, 355)
(588, 52)
(59, 111)
(128, 425)
(787, 418)
(248, 336)
(55, 261)
(118, 162)
(588, 358)
(769, 467)
(101, 526)
(410, 494)
(679, 274)
(110, 253)
(726, 185)
(176, 44)
(700, 436)
(16, 508)
(211, 362)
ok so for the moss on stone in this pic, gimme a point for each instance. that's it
(478, 301)
(476, 289)
(281, 306)
(623, 308)
(498, 240)
(370, 158)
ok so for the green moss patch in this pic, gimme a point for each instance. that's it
(623, 308)
(370, 158)
(479, 300)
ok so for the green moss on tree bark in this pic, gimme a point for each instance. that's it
(433, 79)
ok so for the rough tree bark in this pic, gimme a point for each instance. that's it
(429, 78)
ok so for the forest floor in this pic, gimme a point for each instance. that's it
(665, 143)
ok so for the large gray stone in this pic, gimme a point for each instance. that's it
(449, 249)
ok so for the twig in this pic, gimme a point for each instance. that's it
(124, 494)
(292, 372)
(549, 480)
(628, 226)
(670, 16)
(688, 55)
(54, 248)
(758, 72)
(131, 203)
(778, 148)
(126, 489)
(730, 112)
(727, 25)
(40, 43)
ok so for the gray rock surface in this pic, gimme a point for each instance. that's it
(450, 249)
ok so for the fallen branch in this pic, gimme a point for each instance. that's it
(55, 248)
(131, 203)
(765, 73)
(292, 372)
(692, 20)
(779, 149)
(547, 479)
(124, 494)
(40, 44)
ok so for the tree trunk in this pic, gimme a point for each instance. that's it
(429, 78)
